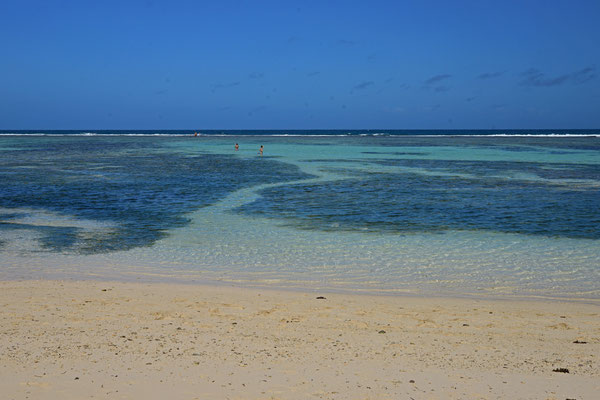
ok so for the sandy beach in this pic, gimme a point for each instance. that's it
(109, 340)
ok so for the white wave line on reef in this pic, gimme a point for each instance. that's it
(358, 134)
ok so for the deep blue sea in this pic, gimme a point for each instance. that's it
(483, 213)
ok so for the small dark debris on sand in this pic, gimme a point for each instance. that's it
(579, 342)
(321, 298)
(381, 331)
(563, 370)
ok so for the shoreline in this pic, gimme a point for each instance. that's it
(349, 291)
(81, 339)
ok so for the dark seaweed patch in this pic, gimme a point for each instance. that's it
(141, 187)
(405, 203)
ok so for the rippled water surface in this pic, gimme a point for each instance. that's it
(457, 215)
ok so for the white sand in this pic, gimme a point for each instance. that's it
(79, 340)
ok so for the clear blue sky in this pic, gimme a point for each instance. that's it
(155, 64)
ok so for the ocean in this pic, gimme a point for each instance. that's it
(454, 213)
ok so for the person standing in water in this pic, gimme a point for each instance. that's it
(260, 151)
(237, 147)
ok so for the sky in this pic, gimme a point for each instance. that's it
(197, 65)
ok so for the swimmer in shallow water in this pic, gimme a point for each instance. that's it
(260, 151)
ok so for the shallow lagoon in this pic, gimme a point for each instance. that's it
(491, 216)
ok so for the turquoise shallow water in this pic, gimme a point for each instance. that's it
(461, 215)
